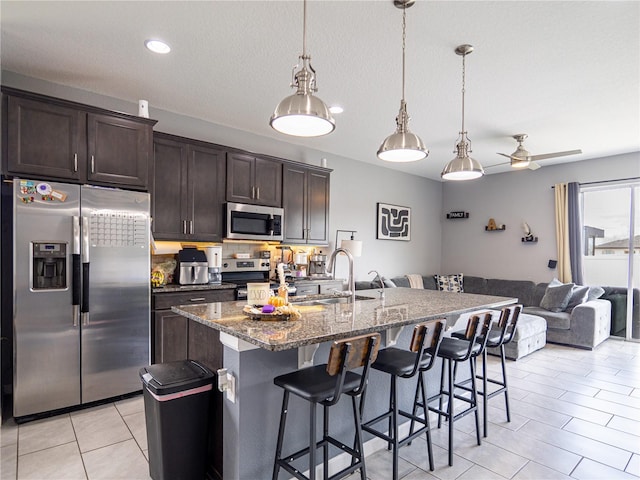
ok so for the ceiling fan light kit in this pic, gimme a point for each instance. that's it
(521, 158)
(402, 145)
(302, 114)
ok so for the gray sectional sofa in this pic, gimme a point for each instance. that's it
(586, 326)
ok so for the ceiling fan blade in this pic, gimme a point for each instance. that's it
(544, 156)
(496, 165)
(534, 166)
(505, 155)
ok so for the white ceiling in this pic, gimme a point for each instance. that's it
(565, 72)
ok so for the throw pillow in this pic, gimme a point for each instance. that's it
(579, 295)
(595, 293)
(450, 283)
(556, 297)
(385, 281)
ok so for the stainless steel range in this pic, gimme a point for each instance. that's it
(248, 270)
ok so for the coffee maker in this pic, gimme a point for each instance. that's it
(214, 262)
(317, 265)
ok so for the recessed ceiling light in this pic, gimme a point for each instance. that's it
(336, 109)
(157, 46)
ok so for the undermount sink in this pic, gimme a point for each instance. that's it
(329, 300)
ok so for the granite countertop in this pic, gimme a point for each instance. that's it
(189, 288)
(322, 323)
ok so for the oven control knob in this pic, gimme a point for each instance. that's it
(265, 264)
(225, 265)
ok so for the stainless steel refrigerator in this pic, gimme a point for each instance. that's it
(81, 294)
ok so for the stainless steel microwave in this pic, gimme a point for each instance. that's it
(254, 222)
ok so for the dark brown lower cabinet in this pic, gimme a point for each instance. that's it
(178, 338)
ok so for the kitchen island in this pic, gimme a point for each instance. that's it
(257, 351)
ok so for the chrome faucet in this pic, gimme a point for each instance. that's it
(331, 267)
(379, 277)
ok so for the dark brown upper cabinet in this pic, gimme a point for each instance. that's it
(58, 139)
(306, 205)
(254, 180)
(187, 190)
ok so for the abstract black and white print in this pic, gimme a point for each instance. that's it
(394, 222)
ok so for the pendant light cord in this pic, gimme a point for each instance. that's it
(404, 38)
(304, 29)
(463, 85)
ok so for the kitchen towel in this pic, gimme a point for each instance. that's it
(415, 280)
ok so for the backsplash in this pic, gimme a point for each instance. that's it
(166, 252)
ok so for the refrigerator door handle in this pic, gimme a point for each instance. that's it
(76, 283)
(84, 307)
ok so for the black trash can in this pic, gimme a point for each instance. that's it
(176, 407)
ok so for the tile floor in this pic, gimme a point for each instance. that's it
(575, 414)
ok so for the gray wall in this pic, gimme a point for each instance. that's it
(511, 198)
(356, 187)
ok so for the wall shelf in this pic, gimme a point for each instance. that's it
(457, 215)
(497, 229)
(530, 240)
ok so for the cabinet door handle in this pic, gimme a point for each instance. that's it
(184, 227)
(253, 192)
(258, 193)
(191, 227)
(199, 299)
(75, 162)
(93, 160)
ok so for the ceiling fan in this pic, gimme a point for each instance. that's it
(521, 158)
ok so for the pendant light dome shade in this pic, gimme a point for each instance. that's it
(402, 145)
(302, 114)
(463, 167)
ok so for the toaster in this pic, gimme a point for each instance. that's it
(193, 267)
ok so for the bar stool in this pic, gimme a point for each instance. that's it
(399, 363)
(498, 337)
(324, 384)
(453, 351)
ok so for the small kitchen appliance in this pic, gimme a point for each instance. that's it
(318, 265)
(193, 267)
(214, 261)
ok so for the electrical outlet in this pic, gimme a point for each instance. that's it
(231, 388)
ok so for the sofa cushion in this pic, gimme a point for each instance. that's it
(450, 283)
(401, 281)
(579, 295)
(556, 297)
(538, 293)
(555, 320)
(475, 285)
(429, 282)
(520, 289)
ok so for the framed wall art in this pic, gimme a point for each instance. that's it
(394, 222)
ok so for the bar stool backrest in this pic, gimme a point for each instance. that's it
(484, 333)
(512, 313)
(473, 333)
(426, 338)
(349, 354)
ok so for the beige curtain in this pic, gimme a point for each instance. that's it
(562, 232)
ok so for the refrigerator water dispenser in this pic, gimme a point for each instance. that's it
(49, 263)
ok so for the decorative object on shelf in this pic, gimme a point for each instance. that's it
(463, 167)
(493, 227)
(302, 114)
(454, 215)
(528, 236)
(394, 222)
(354, 246)
(402, 145)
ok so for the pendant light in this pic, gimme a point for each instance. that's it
(302, 114)
(463, 167)
(402, 146)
